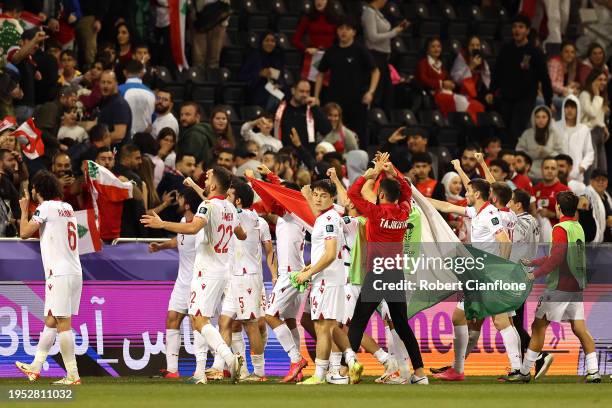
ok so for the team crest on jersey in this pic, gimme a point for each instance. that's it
(347, 220)
(202, 210)
(329, 228)
(37, 213)
(494, 220)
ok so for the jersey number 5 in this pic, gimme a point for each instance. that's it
(72, 236)
(226, 230)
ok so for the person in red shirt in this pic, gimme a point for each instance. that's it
(522, 165)
(419, 175)
(545, 191)
(387, 222)
(520, 180)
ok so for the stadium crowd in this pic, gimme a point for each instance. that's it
(326, 91)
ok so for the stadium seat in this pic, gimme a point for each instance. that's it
(218, 76)
(452, 45)
(167, 82)
(293, 59)
(232, 94)
(247, 6)
(299, 6)
(231, 113)
(283, 42)
(251, 112)
(460, 119)
(287, 23)
(258, 22)
(406, 63)
(273, 6)
(432, 118)
(378, 117)
(194, 74)
(288, 77)
(391, 9)
(204, 94)
(404, 117)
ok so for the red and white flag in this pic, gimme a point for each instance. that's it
(103, 181)
(30, 138)
(89, 233)
(178, 12)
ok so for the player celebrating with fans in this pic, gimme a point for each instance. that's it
(63, 275)
(188, 202)
(215, 222)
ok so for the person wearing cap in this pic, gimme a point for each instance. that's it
(519, 71)
(245, 159)
(602, 208)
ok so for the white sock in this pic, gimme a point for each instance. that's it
(216, 343)
(528, 361)
(400, 354)
(349, 357)
(173, 345)
(283, 334)
(201, 353)
(259, 364)
(295, 333)
(381, 356)
(473, 336)
(335, 358)
(460, 341)
(388, 338)
(591, 363)
(238, 344)
(321, 368)
(218, 363)
(66, 342)
(45, 342)
(512, 343)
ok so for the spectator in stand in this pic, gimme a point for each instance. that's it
(167, 143)
(522, 166)
(263, 138)
(595, 109)
(401, 153)
(195, 138)
(501, 172)
(9, 193)
(114, 110)
(99, 137)
(518, 180)
(172, 182)
(88, 27)
(207, 45)
(10, 91)
(225, 158)
(469, 164)
(130, 160)
(142, 55)
(432, 76)
(541, 140)
(377, 33)
(319, 29)
(138, 96)
(220, 127)
(594, 58)
(575, 138)
(557, 16)
(71, 132)
(452, 193)
(148, 149)
(322, 149)
(519, 71)
(262, 66)
(419, 175)
(164, 118)
(162, 53)
(20, 55)
(123, 38)
(342, 138)
(62, 168)
(492, 147)
(471, 71)
(354, 78)
(91, 95)
(545, 191)
(152, 201)
(602, 210)
(69, 71)
(300, 112)
(10, 27)
(565, 165)
(563, 73)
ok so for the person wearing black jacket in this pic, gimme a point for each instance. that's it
(519, 70)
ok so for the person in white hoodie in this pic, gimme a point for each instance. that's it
(595, 108)
(575, 138)
(540, 141)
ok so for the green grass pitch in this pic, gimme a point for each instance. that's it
(475, 392)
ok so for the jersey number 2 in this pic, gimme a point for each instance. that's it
(72, 236)
(226, 230)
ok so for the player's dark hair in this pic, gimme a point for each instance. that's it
(47, 185)
(97, 133)
(223, 178)
(472, 147)
(522, 197)
(59, 154)
(504, 152)
(391, 188)
(128, 149)
(492, 139)
(103, 149)
(502, 191)
(181, 156)
(283, 158)
(243, 192)
(192, 199)
(167, 131)
(525, 156)
(290, 185)
(195, 105)
(325, 185)
(70, 53)
(133, 67)
(568, 202)
(481, 186)
(501, 164)
(421, 158)
(566, 158)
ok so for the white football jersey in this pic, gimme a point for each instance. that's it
(186, 245)
(215, 243)
(525, 238)
(508, 219)
(328, 226)
(59, 238)
(486, 224)
(249, 252)
(290, 235)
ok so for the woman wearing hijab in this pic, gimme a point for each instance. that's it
(452, 189)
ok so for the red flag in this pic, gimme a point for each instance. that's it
(291, 200)
(30, 138)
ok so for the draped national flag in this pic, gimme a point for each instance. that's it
(178, 12)
(103, 181)
(87, 229)
(30, 138)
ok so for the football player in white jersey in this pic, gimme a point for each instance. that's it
(215, 223)
(488, 234)
(188, 203)
(243, 302)
(63, 276)
(327, 276)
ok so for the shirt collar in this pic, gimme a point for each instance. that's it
(504, 209)
(220, 197)
(566, 218)
(133, 81)
(486, 204)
